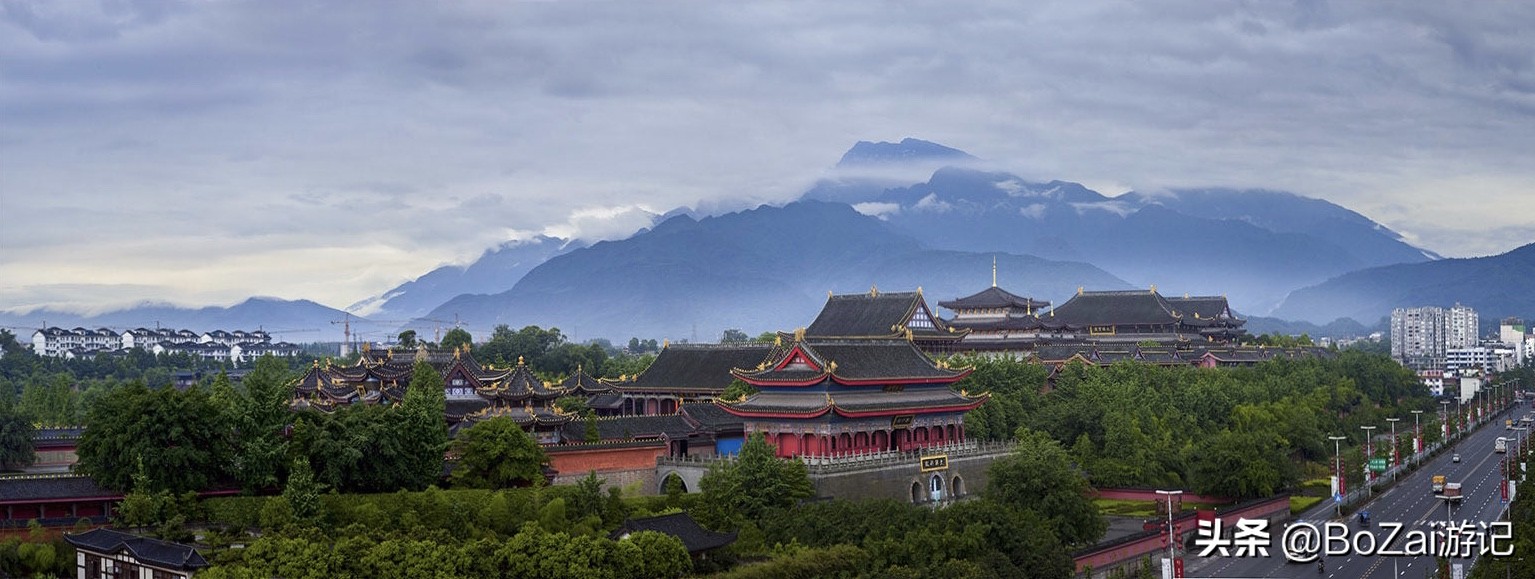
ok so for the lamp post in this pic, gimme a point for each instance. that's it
(1367, 456)
(1395, 456)
(1444, 420)
(1171, 539)
(1417, 437)
(1337, 471)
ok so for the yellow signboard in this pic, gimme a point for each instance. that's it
(935, 462)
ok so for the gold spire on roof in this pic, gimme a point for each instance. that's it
(1153, 288)
(993, 271)
(1079, 290)
(519, 361)
(666, 343)
(799, 334)
(873, 290)
(367, 346)
(831, 367)
(919, 290)
(455, 353)
(316, 363)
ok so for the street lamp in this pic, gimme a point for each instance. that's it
(1444, 420)
(1337, 471)
(1171, 539)
(1417, 437)
(1395, 456)
(1370, 476)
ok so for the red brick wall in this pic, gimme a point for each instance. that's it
(581, 460)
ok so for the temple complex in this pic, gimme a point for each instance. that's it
(997, 321)
(474, 392)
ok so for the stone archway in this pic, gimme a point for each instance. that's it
(673, 476)
(917, 496)
(957, 486)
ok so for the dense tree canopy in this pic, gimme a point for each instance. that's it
(1239, 432)
(1041, 477)
(497, 453)
(180, 436)
(16, 448)
(746, 488)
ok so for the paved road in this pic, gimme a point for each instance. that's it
(1410, 503)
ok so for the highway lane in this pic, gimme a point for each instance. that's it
(1411, 503)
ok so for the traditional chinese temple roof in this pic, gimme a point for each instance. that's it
(851, 361)
(697, 367)
(680, 525)
(1123, 307)
(995, 298)
(879, 315)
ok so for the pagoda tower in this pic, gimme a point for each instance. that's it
(835, 395)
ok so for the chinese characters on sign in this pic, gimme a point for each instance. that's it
(1304, 542)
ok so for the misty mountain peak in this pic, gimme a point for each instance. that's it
(865, 153)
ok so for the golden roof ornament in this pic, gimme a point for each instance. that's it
(873, 291)
(777, 340)
(1153, 288)
(909, 335)
(666, 343)
(831, 367)
(1079, 290)
(799, 334)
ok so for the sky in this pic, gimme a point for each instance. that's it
(201, 152)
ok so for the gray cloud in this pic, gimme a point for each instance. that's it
(369, 142)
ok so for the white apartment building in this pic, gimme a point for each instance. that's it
(1488, 358)
(1417, 337)
(1460, 327)
(236, 346)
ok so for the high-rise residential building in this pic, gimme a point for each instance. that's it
(1460, 327)
(1420, 336)
(1417, 337)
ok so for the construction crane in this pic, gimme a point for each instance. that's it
(346, 332)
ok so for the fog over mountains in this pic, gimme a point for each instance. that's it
(898, 216)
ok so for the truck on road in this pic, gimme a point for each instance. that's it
(1438, 486)
(1452, 491)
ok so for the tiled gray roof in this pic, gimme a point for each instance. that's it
(154, 551)
(698, 366)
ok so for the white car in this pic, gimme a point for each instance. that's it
(1455, 457)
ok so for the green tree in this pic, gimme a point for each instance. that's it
(303, 492)
(1040, 477)
(746, 488)
(407, 339)
(734, 336)
(16, 449)
(456, 338)
(497, 453)
(259, 415)
(423, 426)
(652, 554)
(182, 437)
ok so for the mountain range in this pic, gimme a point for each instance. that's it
(898, 216)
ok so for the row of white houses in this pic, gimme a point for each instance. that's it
(225, 346)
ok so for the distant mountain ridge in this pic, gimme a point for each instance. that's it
(1496, 286)
(495, 270)
(760, 269)
(1254, 246)
(896, 216)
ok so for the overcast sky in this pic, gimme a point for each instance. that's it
(202, 152)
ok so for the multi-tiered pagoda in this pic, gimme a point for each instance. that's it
(834, 395)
